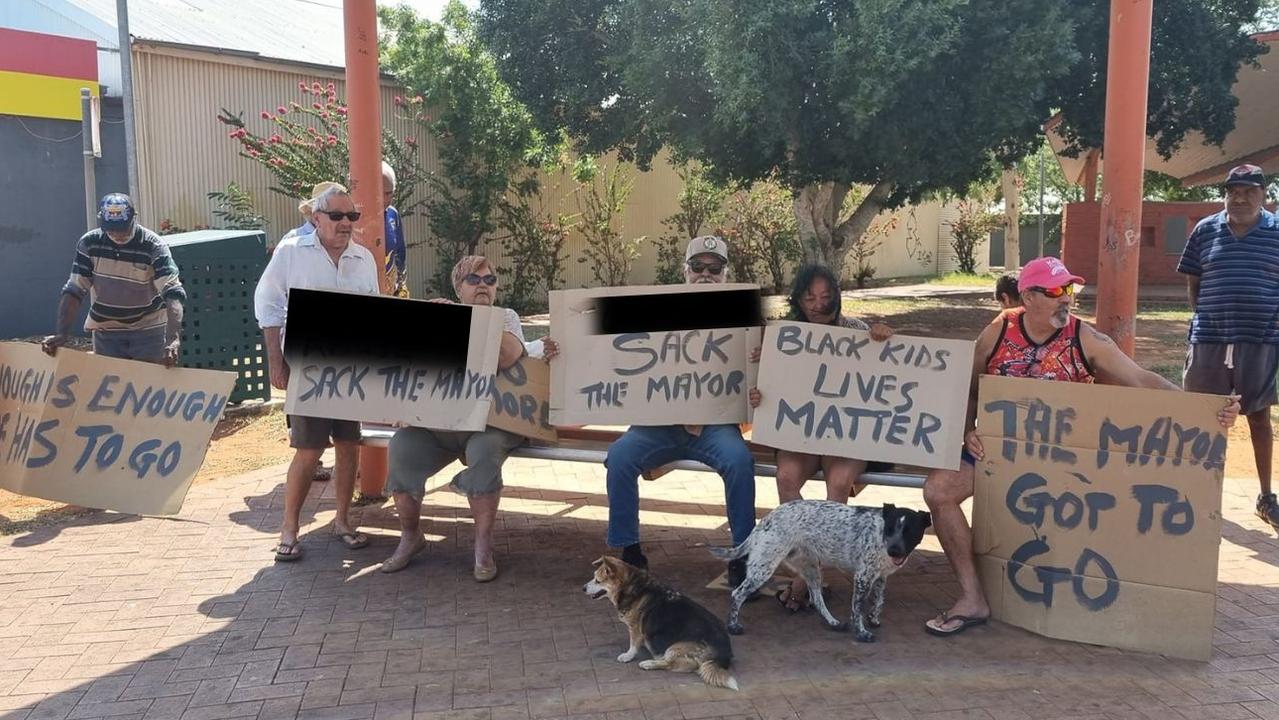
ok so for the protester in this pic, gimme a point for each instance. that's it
(815, 298)
(1041, 340)
(417, 454)
(327, 259)
(396, 252)
(1006, 293)
(1231, 263)
(135, 296)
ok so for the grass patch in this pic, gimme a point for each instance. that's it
(958, 278)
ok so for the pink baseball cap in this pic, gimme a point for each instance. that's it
(1045, 272)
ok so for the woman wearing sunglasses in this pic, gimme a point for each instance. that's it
(417, 454)
(815, 298)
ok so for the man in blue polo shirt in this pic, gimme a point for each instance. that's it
(1232, 263)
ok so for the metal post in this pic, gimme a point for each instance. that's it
(1127, 82)
(126, 75)
(86, 136)
(1041, 201)
(363, 92)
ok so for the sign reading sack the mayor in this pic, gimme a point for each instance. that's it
(829, 390)
(1097, 513)
(383, 359)
(654, 355)
(102, 432)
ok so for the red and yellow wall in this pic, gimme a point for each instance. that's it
(41, 75)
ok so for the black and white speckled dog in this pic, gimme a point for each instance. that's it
(868, 543)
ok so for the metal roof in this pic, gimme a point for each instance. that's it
(1255, 138)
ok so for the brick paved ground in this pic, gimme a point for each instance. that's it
(121, 617)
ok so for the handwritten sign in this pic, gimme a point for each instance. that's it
(521, 400)
(654, 355)
(1097, 512)
(833, 391)
(101, 432)
(386, 360)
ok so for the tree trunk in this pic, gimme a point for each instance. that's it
(1012, 219)
(822, 237)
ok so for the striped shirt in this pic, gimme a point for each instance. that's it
(1239, 281)
(127, 284)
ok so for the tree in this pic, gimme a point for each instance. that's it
(486, 137)
(700, 200)
(903, 98)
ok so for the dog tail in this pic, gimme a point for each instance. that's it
(732, 553)
(715, 676)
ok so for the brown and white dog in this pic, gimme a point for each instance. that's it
(681, 635)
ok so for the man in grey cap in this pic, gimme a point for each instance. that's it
(1231, 261)
(721, 447)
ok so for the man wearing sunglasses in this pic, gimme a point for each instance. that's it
(1042, 340)
(326, 259)
(1231, 263)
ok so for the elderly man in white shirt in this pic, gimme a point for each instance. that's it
(327, 259)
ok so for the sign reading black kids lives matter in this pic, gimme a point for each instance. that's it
(1097, 513)
(829, 390)
(104, 433)
(654, 355)
(388, 360)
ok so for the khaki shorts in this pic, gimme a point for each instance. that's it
(416, 454)
(313, 433)
(1247, 369)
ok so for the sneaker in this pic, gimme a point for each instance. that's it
(632, 555)
(1268, 509)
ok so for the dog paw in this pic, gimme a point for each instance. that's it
(838, 627)
(626, 657)
(648, 665)
(736, 629)
(866, 636)
(873, 622)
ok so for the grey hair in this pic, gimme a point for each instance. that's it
(388, 175)
(321, 202)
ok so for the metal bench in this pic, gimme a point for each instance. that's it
(591, 446)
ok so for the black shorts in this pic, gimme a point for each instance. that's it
(313, 433)
(1246, 369)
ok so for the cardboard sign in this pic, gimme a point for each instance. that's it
(654, 355)
(104, 433)
(829, 390)
(383, 359)
(1097, 512)
(521, 400)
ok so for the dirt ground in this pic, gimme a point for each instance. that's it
(244, 444)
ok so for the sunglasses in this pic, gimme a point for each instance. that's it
(1056, 292)
(476, 279)
(712, 268)
(337, 216)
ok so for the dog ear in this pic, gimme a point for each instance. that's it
(889, 509)
(600, 561)
(928, 519)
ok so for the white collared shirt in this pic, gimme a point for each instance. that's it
(305, 264)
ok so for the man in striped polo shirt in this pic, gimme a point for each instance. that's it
(135, 297)
(1232, 263)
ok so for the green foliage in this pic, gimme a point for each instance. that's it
(1165, 188)
(601, 205)
(235, 210)
(486, 137)
(700, 200)
(307, 144)
(760, 226)
(534, 247)
(969, 230)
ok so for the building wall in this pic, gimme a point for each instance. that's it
(1164, 228)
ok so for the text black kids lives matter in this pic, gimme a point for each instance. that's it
(682, 329)
(860, 404)
(353, 346)
(1162, 442)
(100, 444)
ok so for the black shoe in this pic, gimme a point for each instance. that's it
(1268, 509)
(632, 555)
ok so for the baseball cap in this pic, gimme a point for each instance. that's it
(707, 244)
(307, 206)
(1046, 272)
(116, 212)
(1246, 175)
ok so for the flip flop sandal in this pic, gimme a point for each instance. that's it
(965, 622)
(353, 540)
(288, 552)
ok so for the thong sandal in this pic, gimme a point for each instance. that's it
(288, 551)
(964, 621)
(353, 540)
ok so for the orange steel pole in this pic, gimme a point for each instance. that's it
(363, 92)
(1127, 80)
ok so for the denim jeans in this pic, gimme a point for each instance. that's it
(646, 447)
